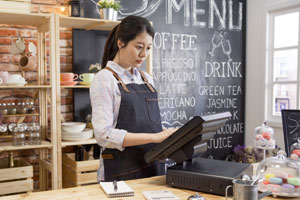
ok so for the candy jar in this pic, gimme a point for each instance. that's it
(264, 138)
(280, 175)
(295, 150)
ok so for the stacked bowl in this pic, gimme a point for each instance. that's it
(75, 131)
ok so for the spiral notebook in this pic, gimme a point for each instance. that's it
(123, 189)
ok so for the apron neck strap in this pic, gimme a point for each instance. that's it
(118, 78)
(146, 81)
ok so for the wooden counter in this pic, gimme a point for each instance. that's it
(93, 192)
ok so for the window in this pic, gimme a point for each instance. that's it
(283, 80)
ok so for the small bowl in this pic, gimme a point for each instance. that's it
(73, 126)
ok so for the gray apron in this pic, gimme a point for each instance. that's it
(139, 113)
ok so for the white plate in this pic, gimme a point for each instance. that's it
(78, 136)
(75, 139)
(14, 84)
(86, 131)
(73, 126)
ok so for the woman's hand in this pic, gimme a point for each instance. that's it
(161, 136)
(134, 139)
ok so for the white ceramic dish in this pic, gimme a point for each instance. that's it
(75, 139)
(73, 126)
(14, 84)
(83, 133)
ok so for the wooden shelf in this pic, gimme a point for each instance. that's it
(7, 146)
(27, 86)
(87, 23)
(24, 19)
(74, 86)
(89, 141)
(22, 115)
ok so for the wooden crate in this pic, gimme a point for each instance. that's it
(17, 179)
(76, 173)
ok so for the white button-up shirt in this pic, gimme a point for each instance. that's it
(105, 100)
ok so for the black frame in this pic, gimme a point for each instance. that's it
(291, 127)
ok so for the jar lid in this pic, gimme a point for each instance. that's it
(21, 128)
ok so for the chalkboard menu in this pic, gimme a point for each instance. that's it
(291, 127)
(198, 62)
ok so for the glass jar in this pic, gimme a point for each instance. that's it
(34, 135)
(295, 150)
(11, 108)
(21, 108)
(19, 136)
(4, 110)
(264, 137)
(3, 129)
(11, 127)
(281, 175)
(30, 107)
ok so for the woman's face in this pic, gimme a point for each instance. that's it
(135, 52)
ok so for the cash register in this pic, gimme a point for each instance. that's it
(186, 147)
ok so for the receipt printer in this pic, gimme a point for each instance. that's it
(206, 175)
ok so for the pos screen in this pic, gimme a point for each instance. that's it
(195, 132)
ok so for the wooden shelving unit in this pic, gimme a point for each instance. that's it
(21, 115)
(27, 86)
(50, 93)
(74, 86)
(74, 23)
(44, 23)
(7, 146)
(87, 23)
(89, 141)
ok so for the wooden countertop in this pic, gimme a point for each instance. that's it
(92, 192)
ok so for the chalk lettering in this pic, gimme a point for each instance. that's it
(211, 90)
(174, 63)
(174, 77)
(222, 103)
(176, 115)
(176, 102)
(213, 12)
(223, 69)
(234, 90)
(219, 143)
(231, 128)
(173, 88)
(165, 40)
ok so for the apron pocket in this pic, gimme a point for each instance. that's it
(153, 110)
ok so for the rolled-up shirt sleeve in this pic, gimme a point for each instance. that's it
(102, 95)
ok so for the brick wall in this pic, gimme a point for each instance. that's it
(9, 62)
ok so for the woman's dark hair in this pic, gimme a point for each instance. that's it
(126, 31)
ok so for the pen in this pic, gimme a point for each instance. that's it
(115, 185)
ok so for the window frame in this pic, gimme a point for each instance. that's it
(270, 50)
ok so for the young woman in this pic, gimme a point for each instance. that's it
(126, 117)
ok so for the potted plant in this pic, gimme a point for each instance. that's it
(109, 9)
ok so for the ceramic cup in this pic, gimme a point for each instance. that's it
(4, 76)
(25, 61)
(16, 78)
(68, 77)
(86, 77)
(18, 46)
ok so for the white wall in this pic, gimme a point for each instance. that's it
(255, 65)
